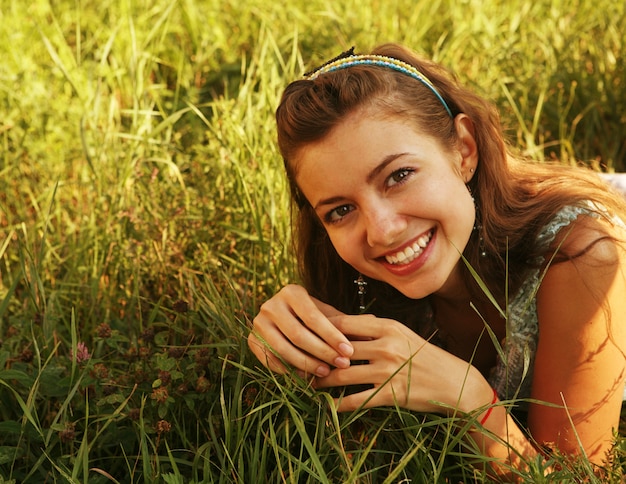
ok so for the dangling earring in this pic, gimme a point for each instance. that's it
(478, 226)
(361, 291)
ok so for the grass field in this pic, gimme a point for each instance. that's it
(144, 218)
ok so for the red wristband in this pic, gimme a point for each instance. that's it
(489, 410)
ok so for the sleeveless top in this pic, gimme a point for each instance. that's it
(513, 374)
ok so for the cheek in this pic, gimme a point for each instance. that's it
(464, 219)
(342, 245)
(347, 248)
(453, 207)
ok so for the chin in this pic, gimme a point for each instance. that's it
(420, 289)
(415, 295)
(413, 292)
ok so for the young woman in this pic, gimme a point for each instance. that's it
(459, 273)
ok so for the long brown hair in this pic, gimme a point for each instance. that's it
(515, 198)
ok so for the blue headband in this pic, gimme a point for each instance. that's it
(380, 61)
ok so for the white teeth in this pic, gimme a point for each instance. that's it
(410, 253)
(423, 241)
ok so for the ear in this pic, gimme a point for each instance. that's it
(467, 146)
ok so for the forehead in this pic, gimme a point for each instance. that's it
(360, 132)
(357, 150)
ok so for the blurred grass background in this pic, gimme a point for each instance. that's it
(144, 218)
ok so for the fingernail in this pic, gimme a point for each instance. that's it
(346, 349)
(341, 362)
(322, 370)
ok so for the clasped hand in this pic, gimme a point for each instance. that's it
(293, 328)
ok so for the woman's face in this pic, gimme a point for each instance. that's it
(393, 200)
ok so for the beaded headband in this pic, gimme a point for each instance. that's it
(381, 61)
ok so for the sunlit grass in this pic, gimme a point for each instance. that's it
(144, 217)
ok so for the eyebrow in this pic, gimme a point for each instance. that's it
(369, 179)
(382, 165)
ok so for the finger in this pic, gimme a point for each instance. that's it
(294, 327)
(265, 355)
(367, 327)
(276, 352)
(354, 375)
(380, 393)
(326, 309)
(369, 398)
(389, 350)
(315, 315)
(303, 347)
(377, 370)
(362, 326)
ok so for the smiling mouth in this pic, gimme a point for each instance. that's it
(411, 252)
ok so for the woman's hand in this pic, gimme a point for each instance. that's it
(293, 328)
(404, 369)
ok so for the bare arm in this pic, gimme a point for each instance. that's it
(580, 365)
(580, 361)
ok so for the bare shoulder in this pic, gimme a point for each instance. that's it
(593, 240)
(592, 278)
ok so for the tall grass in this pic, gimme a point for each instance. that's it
(144, 218)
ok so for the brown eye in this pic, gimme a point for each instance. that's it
(399, 176)
(337, 214)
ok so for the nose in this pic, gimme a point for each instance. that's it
(383, 225)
